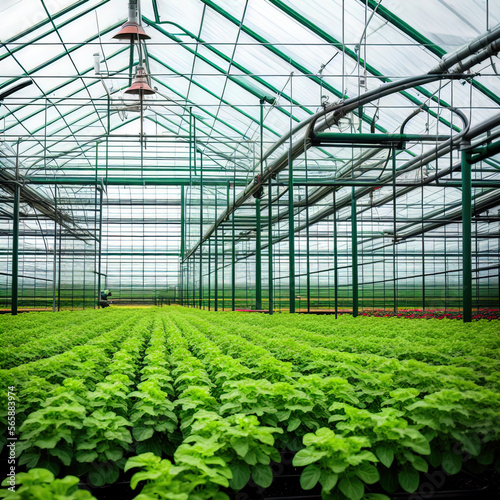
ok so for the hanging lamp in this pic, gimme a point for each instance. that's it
(140, 86)
(132, 29)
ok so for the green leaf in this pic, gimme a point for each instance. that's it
(29, 459)
(97, 477)
(114, 454)
(486, 457)
(389, 480)
(307, 456)
(240, 446)
(352, 488)
(293, 423)
(471, 444)
(241, 475)
(142, 433)
(63, 455)
(47, 443)
(435, 458)
(367, 473)
(262, 475)
(376, 496)
(385, 454)
(409, 479)
(86, 455)
(420, 464)
(310, 477)
(452, 462)
(328, 480)
(111, 473)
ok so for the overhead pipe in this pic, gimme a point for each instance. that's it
(491, 50)
(330, 115)
(412, 165)
(448, 61)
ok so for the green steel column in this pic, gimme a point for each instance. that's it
(209, 271)
(200, 300)
(354, 244)
(394, 232)
(183, 234)
(258, 258)
(308, 249)
(216, 282)
(258, 238)
(55, 258)
(96, 303)
(183, 229)
(186, 267)
(291, 235)
(467, 235)
(291, 213)
(15, 239)
(59, 268)
(99, 262)
(270, 246)
(335, 256)
(233, 253)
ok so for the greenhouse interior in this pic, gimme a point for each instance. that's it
(250, 249)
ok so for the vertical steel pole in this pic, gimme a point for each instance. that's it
(394, 229)
(258, 237)
(201, 231)
(55, 257)
(59, 268)
(216, 281)
(182, 244)
(96, 241)
(354, 244)
(291, 235)
(466, 234)
(258, 258)
(233, 251)
(270, 245)
(100, 251)
(291, 213)
(209, 272)
(15, 239)
(308, 249)
(335, 255)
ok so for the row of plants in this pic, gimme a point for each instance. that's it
(86, 431)
(438, 343)
(198, 405)
(487, 314)
(58, 339)
(306, 346)
(445, 418)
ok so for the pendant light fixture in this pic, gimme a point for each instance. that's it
(132, 30)
(140, 86)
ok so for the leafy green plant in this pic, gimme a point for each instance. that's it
(246, 445)
(41, 484)
(197, 475)
(338, 463)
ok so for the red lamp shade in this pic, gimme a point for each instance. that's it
(132, 31)
(140, 85)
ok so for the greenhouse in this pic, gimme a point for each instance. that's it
(250, 249)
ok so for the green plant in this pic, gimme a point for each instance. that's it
(41, 484)
(338, 463)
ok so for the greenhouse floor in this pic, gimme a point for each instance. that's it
(240, 406)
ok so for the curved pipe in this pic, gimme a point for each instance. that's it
(331, 115)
